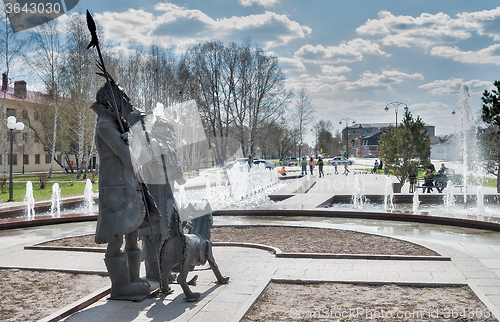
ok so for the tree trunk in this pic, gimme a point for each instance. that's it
(498, 180)
(54, 137)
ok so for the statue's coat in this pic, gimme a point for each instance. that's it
(121, 209)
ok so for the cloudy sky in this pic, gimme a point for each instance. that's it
(352, 57)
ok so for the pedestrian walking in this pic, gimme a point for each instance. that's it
(375, 168)
(303, 164)
(311, 165)
(336, 168)
(320, 167)
(346, 169)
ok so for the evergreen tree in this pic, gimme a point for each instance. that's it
(491, 115)
(405, 147)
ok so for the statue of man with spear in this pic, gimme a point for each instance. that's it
(124, 204)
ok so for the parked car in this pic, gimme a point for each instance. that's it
(340, 161)
(269, 164)
(289, 161)
(369, 155)
(73, 167)
(230, 164)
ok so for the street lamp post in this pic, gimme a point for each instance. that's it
(347, 120)
(316, 146)
(12, 125)
(396, 106)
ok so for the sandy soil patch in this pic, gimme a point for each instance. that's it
(354, 302)
(295, 240)
(27, 295)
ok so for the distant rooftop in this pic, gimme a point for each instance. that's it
(375, 125)
(31, 96)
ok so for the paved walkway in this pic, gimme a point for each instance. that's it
(475, 260)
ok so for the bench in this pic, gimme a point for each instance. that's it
(454, 178)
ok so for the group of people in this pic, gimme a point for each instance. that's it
(431, 179)
(378, 166)
(312, 165)
(304, 163)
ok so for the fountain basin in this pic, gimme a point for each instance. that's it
(408, 198)
(490, 223)
(487, 223)
(42, 220)
(42, 207)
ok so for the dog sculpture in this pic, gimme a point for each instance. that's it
(188, 250)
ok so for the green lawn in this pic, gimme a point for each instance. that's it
(485, 182)
(69, 187)
(54, 177)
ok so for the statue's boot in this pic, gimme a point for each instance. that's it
(134, 266)
(121, 287)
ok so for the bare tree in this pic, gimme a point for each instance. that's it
(284, 137)
(268, 94)
(48, 64)
(12, 47)
(239, 90)
(304, 114)
(210, 88)
(81, 85)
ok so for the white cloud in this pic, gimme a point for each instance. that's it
(263, 3)
(486, 22)
(332, 70)
(174, 25)
(319, 84)
(383, 81)
(329, 83)
(489, 55)
(436, 33)
(452, 86)
(362, 111)
(424, 31)
(350, 51)
(291, 64)
(131, 26)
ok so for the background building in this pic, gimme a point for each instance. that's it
(28, 107)
(365, 138)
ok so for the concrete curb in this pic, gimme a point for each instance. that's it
(13, 223)
(254, 298)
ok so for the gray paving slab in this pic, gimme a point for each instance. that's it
(475, 259)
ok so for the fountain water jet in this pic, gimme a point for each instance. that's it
(208, 192)
(55, 208)
(89, 199)
(357, 197)
(30, 201)
(217, 180)
(480, 202)
(416, 202)
(388, 195)
(470, 149)
(449, 196)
